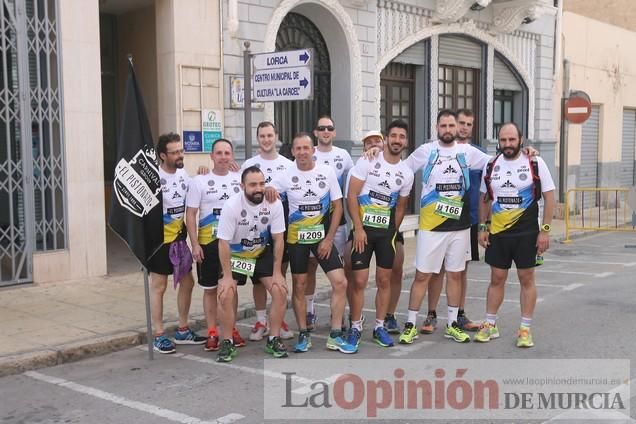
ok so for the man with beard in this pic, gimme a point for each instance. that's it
(174, 256)
(444, 227)
(207, 195)
(465, 122)
(511, 189)
(377, 199)
(247, 229)
(270, 163)
(340, 161)
(315, 209)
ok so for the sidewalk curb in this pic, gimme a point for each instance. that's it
(102, 345)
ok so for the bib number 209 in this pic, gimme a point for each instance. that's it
(311, 234)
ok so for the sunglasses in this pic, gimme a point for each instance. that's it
(329, 128)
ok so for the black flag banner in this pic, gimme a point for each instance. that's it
(136, 207)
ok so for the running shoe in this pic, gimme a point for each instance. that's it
(409, 334)
(162, 344)
(339, 343)
(456, 333)
(353, 337)
(487, 332)
(524, 337)
(430, 323)
(188, 336)
(237, 340)
(391, 325)
(285, 332)
(304, 342)
(227, 352)
(276, 348)
(258, 332)
(213, 341)
(466, 324)
(382, 337)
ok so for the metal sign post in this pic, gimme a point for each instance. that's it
(247, 98)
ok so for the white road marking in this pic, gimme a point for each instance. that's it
(516, 283)
(139, 406)
(572, 286)
(403, 350)
(467, 297)
(401, 314)
(591, 274)
(551, 259)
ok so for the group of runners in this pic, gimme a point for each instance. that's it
(274, 213)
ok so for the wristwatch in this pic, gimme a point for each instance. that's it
(546, 228)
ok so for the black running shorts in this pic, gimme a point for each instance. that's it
(521, 249)
(299, 256)
(380, 242)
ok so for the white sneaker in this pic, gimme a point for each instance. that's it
(285, 332)
(258, 332)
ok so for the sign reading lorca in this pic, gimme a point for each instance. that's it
(137, 184)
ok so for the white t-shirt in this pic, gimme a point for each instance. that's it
(309, 194)
(514, 208)
(209, 193)
(267, 166)
(248, 227)
(446, 180)
(383, 184)
(174, 188)
(338, 159)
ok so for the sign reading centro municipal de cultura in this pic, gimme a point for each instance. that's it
(283, 76)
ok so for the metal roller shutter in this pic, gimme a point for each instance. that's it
(459, 51)
(627, 175)
(588, 172)
(503, 79)
(414, 55)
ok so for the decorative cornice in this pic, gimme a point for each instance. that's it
(448, 11)
(509, 15)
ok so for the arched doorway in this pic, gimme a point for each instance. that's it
(298, 32)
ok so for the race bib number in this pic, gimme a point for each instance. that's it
(243, 266)
(376, 217)
(311, 234)
(215, 228)
(449, 208)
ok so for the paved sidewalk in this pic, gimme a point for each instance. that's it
(53, 323)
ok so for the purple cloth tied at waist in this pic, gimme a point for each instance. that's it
(181, 260)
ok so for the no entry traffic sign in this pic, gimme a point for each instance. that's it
(577, 108)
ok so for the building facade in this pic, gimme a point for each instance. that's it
(375, 61)
(596, 58)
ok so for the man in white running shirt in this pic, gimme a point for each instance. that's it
(207, 195)
(251, 232)
(270, 163)
(340, 161)
(315, 203)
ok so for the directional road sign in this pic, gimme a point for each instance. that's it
(283, 76)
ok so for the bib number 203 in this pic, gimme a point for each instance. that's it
(243, 266)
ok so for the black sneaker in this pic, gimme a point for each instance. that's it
(276, 348)
(227, 351)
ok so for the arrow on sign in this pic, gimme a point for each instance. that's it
(304, 57)
(304, 83)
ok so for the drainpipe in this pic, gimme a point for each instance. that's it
(563, 145)
(557, 40)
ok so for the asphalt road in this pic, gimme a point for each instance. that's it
(586, 310)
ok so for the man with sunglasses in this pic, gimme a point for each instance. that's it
(340, 161)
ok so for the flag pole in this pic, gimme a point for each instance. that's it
(148, 319)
